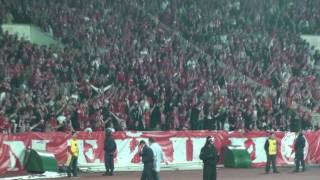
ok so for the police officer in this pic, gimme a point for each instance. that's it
(270, 147)
(209, 157)
(148, 162)
(109, 150)
(299, 148)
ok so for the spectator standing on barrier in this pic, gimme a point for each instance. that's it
(270, 147)
(299, 148)
(209, 156)
(157, 157)
(74, 150)
(110, 147)
(148, 163)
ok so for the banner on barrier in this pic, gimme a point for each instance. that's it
(178, 146)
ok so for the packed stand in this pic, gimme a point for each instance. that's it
(122, 69)
(261, 39)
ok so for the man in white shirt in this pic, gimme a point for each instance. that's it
(157, 156)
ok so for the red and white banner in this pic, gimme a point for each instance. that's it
(178, 146)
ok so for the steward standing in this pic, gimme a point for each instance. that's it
(209, 157)
(270, 147)
(299, 148)
(110, 147)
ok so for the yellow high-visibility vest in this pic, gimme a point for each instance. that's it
(272, 147)
(74, 147)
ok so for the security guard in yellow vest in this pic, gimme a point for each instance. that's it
(74, 151)
(271, 151)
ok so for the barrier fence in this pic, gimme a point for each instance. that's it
(181, 148)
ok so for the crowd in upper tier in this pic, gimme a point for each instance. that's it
(160, 65)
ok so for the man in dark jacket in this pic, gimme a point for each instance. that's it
(299, 148)
(209, 157)
(109, 150)
(147, 158)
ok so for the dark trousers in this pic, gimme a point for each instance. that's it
(271, 159)
(300, 160)
(209, 172)
(148, 172)
(73, 166)
(108, 162)
(156, 175)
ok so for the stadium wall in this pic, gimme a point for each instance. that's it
(30, 33)
(181, 148)
(313, 40)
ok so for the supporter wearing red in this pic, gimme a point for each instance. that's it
(5, 125)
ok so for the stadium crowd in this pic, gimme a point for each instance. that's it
(160, 65)
(259, 38)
